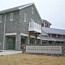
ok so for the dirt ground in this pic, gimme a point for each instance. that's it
(31, 59)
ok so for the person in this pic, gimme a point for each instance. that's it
(23, 48)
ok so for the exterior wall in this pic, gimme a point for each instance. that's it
(1, 41)
(12, 26)
(28, 12)
(24, 26)
(1, 32)
(18, 42)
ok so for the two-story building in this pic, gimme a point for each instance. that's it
(19, 25)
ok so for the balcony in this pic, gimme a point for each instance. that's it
(35, 27)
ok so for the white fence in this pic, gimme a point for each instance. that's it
(44, 49)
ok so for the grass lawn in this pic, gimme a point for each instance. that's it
(30, 59)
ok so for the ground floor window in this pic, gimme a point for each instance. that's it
(44, 42)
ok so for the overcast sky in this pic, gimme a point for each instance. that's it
(51, 10)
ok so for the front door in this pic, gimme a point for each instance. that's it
(10, 45)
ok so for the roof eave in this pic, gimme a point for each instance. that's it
(15, 8)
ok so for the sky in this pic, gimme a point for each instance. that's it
(50, 10)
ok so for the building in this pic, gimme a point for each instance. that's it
(54, 37)
(53, 41)
(23, 25)
(19, 25)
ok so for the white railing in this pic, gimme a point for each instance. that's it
(44, 49)
(33, 26)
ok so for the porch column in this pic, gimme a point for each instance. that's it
(18, 42)
(41, 38)
(28, 38)
(35, 38)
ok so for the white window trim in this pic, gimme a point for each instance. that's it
(25, 17)
(22, 34)
(32, 10)
(11, 16)
(10, 34)
(1, 19)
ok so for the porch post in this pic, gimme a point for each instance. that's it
(35, 38)
(28, 37)
(41, 39)
(18, 42)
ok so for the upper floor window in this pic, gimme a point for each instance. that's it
(0, 18)
(53, 35)
(42, 24)
(50, 35)
(25, 17)
(59, 36)
(63, 36)
(32, 10)
(56, 35)
(46, 24)
(11, 16)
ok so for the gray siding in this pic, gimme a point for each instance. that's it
(12, 26)
(18, 25)
(1, 41)
(28, 11)
(1, 32)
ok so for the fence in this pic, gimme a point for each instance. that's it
(44, 49)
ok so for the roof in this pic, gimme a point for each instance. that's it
(59, 39)
(53, 31)
(15, 8)
(47, 38)
(53, 39)
(46, 21)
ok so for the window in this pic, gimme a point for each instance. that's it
(50, 42)
(44, 42)
(32, 10)
(0, 18)
(63, 36)
(42, 24)
(50, 35)
(25, 17)
(46, 24)
(53, 35)
(59, 36)
(11, 16)
(56, 35)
